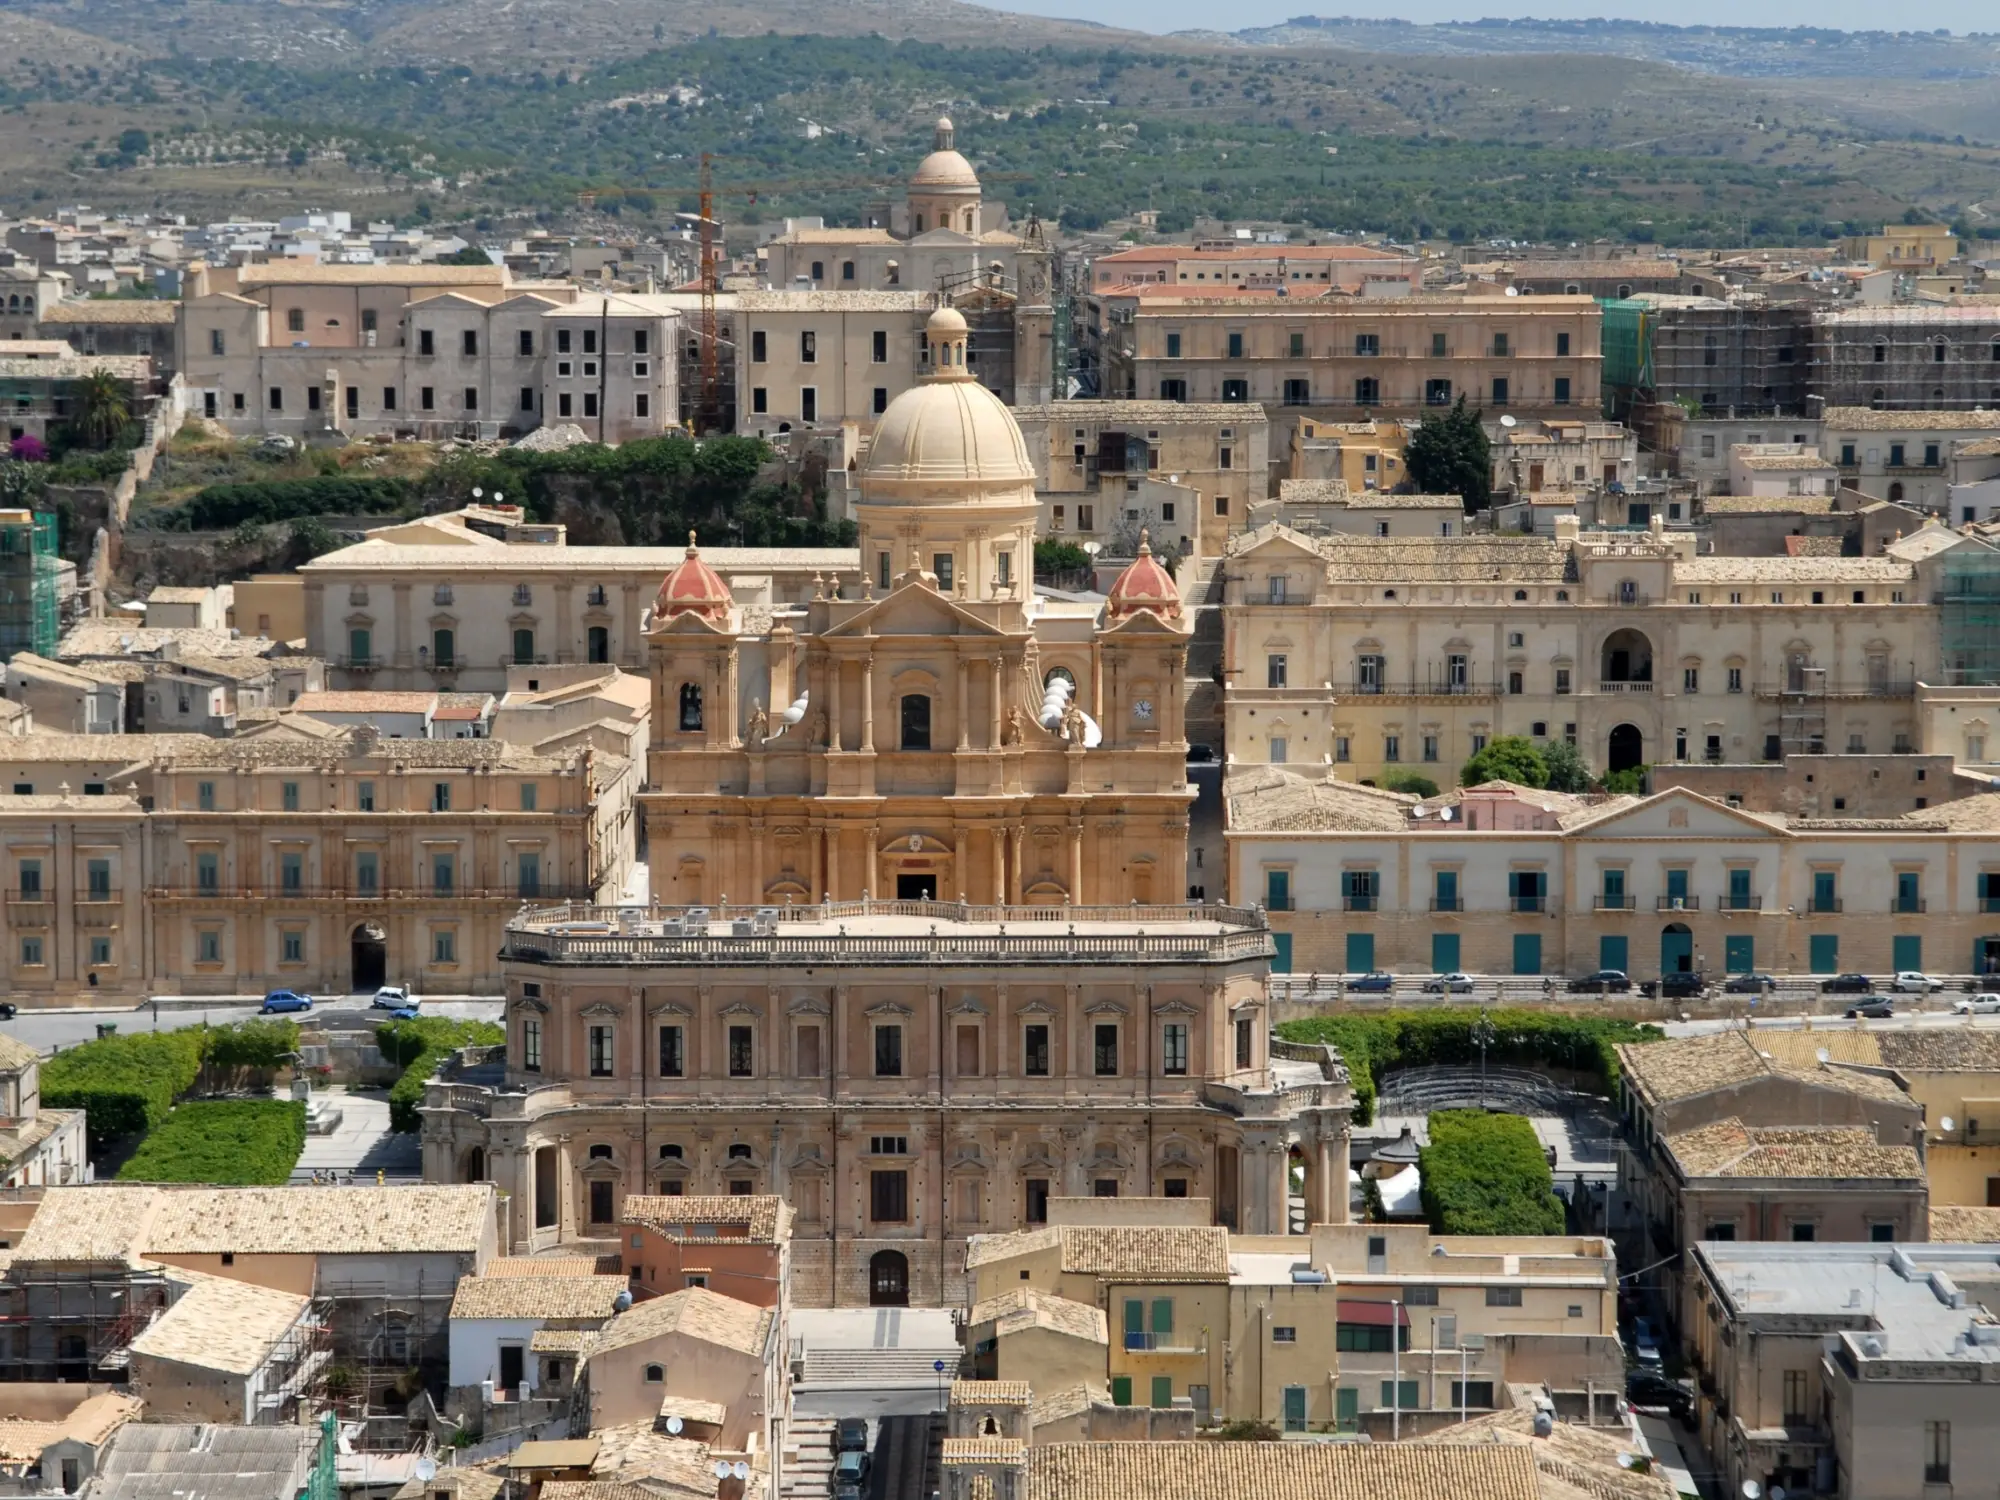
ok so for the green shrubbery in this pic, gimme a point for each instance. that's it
(1378, 1043)
(1487, 1174)
(234, 1141)
(418, 1047)
(221, 507)
(126, 1084)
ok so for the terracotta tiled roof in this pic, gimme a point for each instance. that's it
(551, 1265)
(965, 1451)
(1837, 570)
(696, 1313)
(1685, 1067)
(1955, 1224)
(537, 1296)
(318, 1221)
(1023, 1307)
(1867, 419)
(991, 1392)
(1296, 1471)
(1167, 1253)
(1953, 1051)
(1731, 1149)
(1144, 585)
(219, 1324)
(756, 1219)
(1271, 799)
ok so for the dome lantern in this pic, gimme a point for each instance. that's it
(1145, 585)
(693, 588)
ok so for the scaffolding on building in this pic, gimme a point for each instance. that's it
(1802, 710)
(1935, 358)
(75, 1325)
(28, 569)
(1969, 617)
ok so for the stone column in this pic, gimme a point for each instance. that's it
(868, 702)
(993, 705)
(960, 871)
(1014, 878)
(996, 835)
(832, 704)
(1076, 862)
(964, 704)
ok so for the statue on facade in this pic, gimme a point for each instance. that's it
(816, 735)
(1016, 726)
(760, 722)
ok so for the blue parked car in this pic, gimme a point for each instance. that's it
(1376, 983)
(283, 1002)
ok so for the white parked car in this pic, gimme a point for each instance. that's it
(1986, 1004)
(1911, 982)
(391, 997)
(1454, 984)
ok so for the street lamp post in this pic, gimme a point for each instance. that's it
(1482, 1038)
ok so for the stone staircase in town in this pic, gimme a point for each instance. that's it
(877, 1369)
(808, 1459)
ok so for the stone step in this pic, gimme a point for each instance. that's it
(882, 1368)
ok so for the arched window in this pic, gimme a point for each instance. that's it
(1875, 399)
(1937, 396)
(1938, 352)
(672, 1153)
(918, 226)
(1895, 492)
(739, 1152)
(916, 721)
(690, 706)
(1996, 351)
(600, 1153)
(1520, 594)
(655, 1374)
(444, 648)
(1881, 351)
(1059, 674)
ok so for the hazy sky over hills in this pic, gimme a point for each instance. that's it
(1857, 15)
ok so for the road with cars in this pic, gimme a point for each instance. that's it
(47, 1030)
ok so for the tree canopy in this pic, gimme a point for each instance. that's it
(1449, 455)
(1511, 757)
(1568, 772)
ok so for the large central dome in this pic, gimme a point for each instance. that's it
(947, 436)
(944, 167)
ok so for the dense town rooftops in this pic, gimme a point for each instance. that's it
(1251, 252)
(1270, 799)
(315, 273)
(759, 1219)
(991, 1392)
(858, 301)
(221, 1324)
(1731, 1149)
(1297, 1471)
(1023, 1307)
(696, 1313)
(76, 367)
(1127, 414)
(1901, 1293)
(883, 932)
(1868, 419)
(1710, 569)
(474, 561)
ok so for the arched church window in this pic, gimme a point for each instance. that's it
(916, 718)
(1059, 674)
(690, 706)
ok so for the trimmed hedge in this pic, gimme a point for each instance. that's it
(124, 1084)
(1374, 1043)
(230, 1141)
(418, 1047)
(223, 506)
(1486, 1174)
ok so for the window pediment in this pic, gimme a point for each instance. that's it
(808, 1006)
(670, 1008)
(742, 1008)
(888, 1009)
(602, 1008)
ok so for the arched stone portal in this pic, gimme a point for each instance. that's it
(1627, 748)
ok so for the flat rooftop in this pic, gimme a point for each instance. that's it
(1910, 1298)
(878, 932)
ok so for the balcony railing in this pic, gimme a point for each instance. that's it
(1412, 688)
(543, 891)
(1909, 904)
(1677, 903)
(1281, 903)
(1987, 904)
(1155, 1343)
(1530, 903)
(1827, 905)
(1447, 903)
(1614, 903)
(1604, 686)
(361, 663)
(1733, 902)
(1359, 903)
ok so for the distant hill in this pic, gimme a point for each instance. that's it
(1737, 51)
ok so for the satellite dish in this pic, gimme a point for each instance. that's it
(1752, 1489)
(1626, 1460)
(1823, 1055)
(1444, 815)
(674, 1425)
(1947, 1124)
(740, 1469)
(425, 1470)
(1777, 1492)
(1509, 421)
(1513, 291)
(722, 1468)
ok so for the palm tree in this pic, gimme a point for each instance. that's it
(102, 408)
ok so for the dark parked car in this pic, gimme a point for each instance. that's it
(1750, 984)
(6, 1010)
(282, 1002)
(1677, 986)
(851, 1436)
(1376, 983)
(1876, 1007)
(1847, 984)
(850, 1468)
(1603, 982)
(1648, 1389)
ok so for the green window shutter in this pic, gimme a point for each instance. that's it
(1527, 953)
(1121, 1390)
(1163, 1390)
(1444, 953)
(1361, 953)
(1163, 1315)
(1739, 954)
(1907, 953)
(1281, 959)
(1824, 952)
(1347, 1405)
(1135, 1315)
(1612, 953)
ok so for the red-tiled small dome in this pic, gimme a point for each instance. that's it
(1144, 585)
(693, 588)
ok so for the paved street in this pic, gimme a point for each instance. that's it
(363, 1144)
(46, 1030)
(1928, 1020)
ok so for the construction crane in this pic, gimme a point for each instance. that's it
(708, 415)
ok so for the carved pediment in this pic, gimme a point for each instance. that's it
(742, 1008)
(1104, 1007)
(890, 1009)
(911, 841)
(1176, 1008)
(670, 1008)
(1178, 1154)
(968, 1006)
(602, 1008)
(528, 1003)
(1035, 1008)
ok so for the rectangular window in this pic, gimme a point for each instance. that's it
(1562, 344)
(528, 875)
(31, 879)
(1104, 1050)
(208, 872)
(808, 404)
(31, 951)
(444, 946)
(288, 796)
(888, 1052)
(1036, 1208)
(444, 872)
(889, 1197)
(1937, 1453)
(1503, 1296)
(1562, 390)
(742, 1052)
(642, 405)
(600, 1052)
(277, 399)
(292, 872)
(879, 347)
(367, 873)
(208, 946)
(98, 873)
(1274, 671)
(673, 1052)
(1173, 346)
(1174, 1050)
(1246, 1043)
(427, 397)
(1035, 1051)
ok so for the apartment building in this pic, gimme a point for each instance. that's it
(1909, 358)
(1531, 458)
(1540, 883)
(1854, 1370)
(424, 351)
(1613, 277)
(1352, 357)
(1903, 456)
(821, 358)
(133, 329)
(1364, 455)
(1381, 1329)
(1903, 247)
(1091, 457)
(38, 394)
(1318, 507)
(1298, 268)
(1368, 653)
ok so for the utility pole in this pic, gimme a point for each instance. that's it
(1482, 1037)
